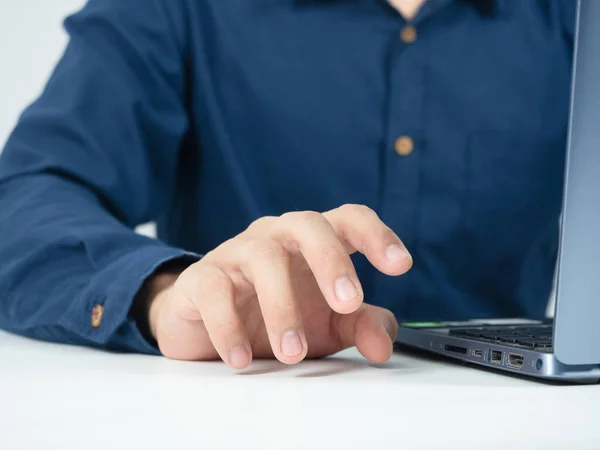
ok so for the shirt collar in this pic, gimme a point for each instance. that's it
(489, 6)
(485, 7)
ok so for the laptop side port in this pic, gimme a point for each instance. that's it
(515, 361)
(455, 349)
(496, 357)
(477, 353)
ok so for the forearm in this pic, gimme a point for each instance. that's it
(62, 256)
(93, 157)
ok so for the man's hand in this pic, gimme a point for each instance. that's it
(285, 287)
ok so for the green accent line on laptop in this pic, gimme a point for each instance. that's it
(422, 324)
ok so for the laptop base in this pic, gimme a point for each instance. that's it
(442, 339)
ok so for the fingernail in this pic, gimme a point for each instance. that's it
(291, 345)
(238, 357)
(345, 289)
(396, 253)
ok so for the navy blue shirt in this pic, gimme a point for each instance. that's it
(204, 115)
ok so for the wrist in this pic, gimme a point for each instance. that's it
(151, 298)
(160, 286)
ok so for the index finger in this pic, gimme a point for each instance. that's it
(362, 230)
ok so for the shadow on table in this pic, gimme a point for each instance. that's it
(338, 366)
(265, 367)
(319, 368)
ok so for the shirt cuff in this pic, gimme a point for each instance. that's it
(102, 313)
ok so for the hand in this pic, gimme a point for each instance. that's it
(285, 287)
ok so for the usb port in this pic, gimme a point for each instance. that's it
(477, 353)
(496, 357)
(515, 361)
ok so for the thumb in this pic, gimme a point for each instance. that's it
(371, 329)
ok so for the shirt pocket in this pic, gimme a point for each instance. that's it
(514, 187)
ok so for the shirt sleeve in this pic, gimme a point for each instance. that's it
(94, 156)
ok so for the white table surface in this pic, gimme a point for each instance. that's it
(70, 398)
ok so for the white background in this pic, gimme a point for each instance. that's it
(31, 41)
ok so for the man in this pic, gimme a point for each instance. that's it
(284, 147)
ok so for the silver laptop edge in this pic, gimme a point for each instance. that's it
(576, 330)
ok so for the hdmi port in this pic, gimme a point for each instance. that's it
(515, 361)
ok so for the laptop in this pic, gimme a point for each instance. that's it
(567, 347)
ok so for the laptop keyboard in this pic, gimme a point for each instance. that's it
(534, 337)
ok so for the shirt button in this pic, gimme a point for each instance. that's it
(404, 146)
(97, 312)
(408, 34)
